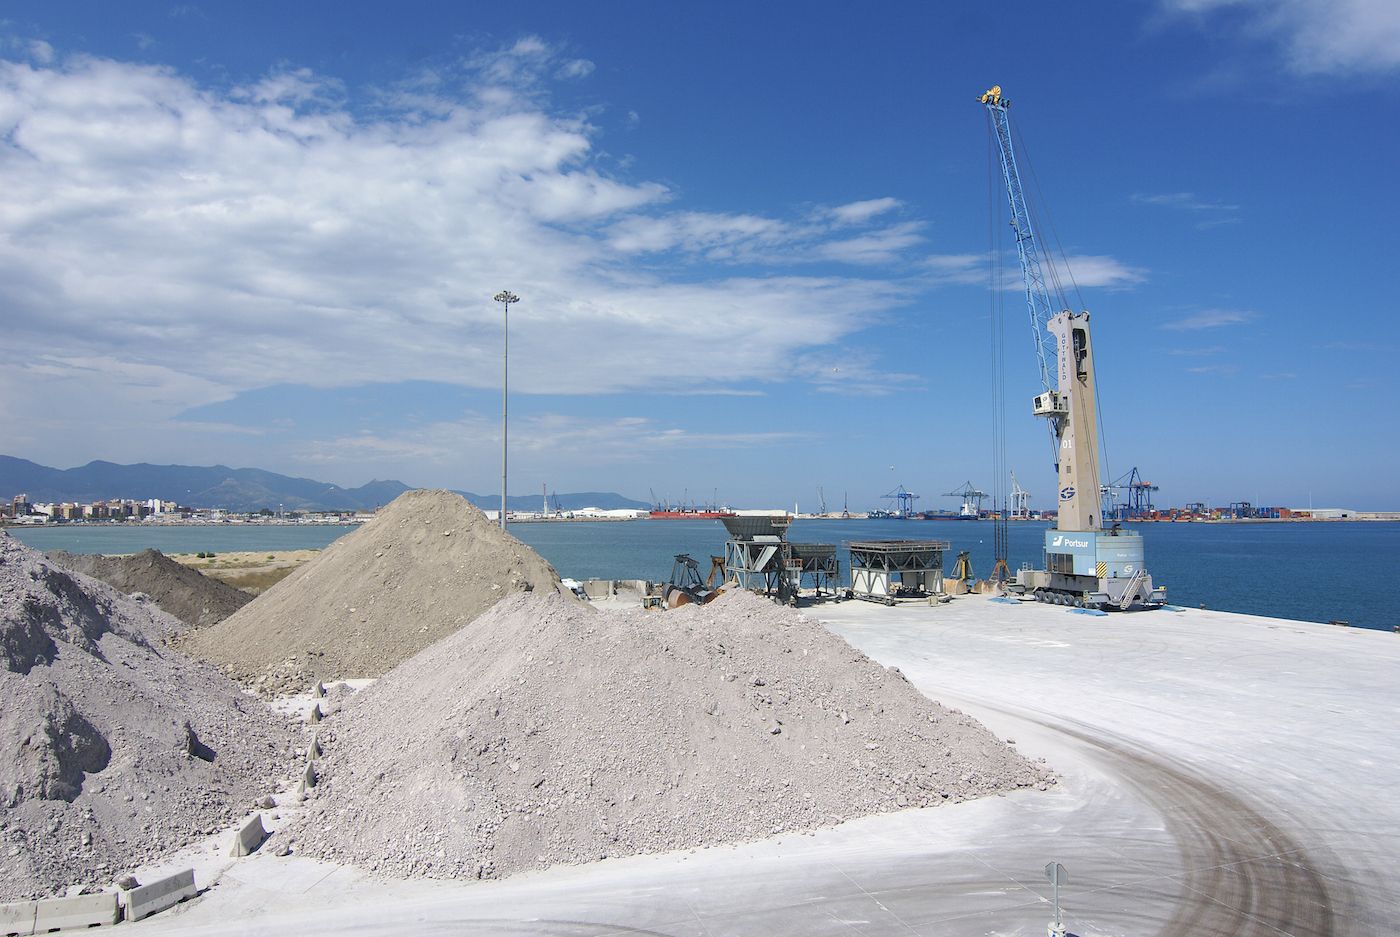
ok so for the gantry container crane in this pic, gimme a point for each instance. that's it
(901, 503)
(1085, 564)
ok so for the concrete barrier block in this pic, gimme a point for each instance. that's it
(308, 777)
(145, 900)
(314, 751)
(315, 715)
(82, 911)
(17, 918)
(249, 837)
(598, 588)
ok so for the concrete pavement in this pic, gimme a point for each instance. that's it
(1220, 774)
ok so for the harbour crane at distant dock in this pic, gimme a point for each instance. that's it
(1137, 501)
(1020, 501)
(972, 498)
(901, 503)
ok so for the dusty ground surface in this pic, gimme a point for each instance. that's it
(548, 732)
(423, 567)
(190, 596)
(1221, 775)
(114, 748)
(253, 573)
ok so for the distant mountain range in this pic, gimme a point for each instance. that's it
(243, 489)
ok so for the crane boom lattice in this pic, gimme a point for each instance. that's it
(1027, 248)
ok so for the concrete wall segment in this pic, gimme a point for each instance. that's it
(78, 912)
(17, 918)
(250, 836)
(145, 900)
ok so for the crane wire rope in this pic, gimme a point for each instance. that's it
(997, 316)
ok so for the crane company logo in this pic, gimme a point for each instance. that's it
(1062, 541)
(1067, 493)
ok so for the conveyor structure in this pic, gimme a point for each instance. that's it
(885, 570)
(758, 557)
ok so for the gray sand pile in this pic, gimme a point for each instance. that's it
(426, 565)
(188, 594)
(114, 749)
(547, 732)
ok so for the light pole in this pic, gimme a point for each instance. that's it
(505, 298)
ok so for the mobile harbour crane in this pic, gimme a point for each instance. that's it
(1085, 565)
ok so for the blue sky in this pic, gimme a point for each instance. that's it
(751, 241)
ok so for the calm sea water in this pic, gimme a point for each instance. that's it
(1312, 572)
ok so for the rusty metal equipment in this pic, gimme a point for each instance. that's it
(685, 586)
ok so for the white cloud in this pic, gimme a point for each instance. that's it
(878, 247)
(1099, 270)
(1188, 201)
(575, 68)
(171, 245)
(852, 373)
(1316, 36)
(547, 439)
(861, 212)
(1210, 214)
(716, 236)
(1089, 271)
(970, 269)
(746, 238)
(1211, 319)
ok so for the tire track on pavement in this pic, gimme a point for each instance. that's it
(1245, 876)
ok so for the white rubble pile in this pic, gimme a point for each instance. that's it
(548, 732)
(114, 749)
(426, 565)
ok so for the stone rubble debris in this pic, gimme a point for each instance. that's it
(194, 598)
(375, 597)
(115, 749)
(548, 732)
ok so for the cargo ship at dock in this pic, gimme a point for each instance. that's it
(690, 513)
(688, 510)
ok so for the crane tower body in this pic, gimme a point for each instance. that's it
(1085, 564)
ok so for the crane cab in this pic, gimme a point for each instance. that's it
(1051, 403)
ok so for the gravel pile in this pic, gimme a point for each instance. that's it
(426, 565)
(114, 749)
(546, 732)
(188, 594)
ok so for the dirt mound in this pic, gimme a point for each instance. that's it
(190, 596)
(426, 565)
(114, 749)
(547, 732)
